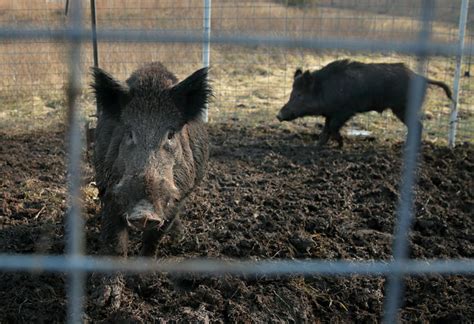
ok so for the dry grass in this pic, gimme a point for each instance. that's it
(264, 86)
(250, 84)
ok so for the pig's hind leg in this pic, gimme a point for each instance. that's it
(324, 135)
(400, 114)
(336, 124)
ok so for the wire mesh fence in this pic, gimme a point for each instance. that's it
(254, 48)
(251, 82)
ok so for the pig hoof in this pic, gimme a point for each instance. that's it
(109, 292)
(177, 232)
(143, 284)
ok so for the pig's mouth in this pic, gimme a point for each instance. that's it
(287, 117)
(143, 215)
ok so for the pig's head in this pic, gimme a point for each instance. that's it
(302, 99)
(151, 113)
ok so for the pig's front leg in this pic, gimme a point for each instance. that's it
(114, 243)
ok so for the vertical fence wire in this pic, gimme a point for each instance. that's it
(206, 42)
(453, 119)
(75, 223)
(95, 49)
(416, 96)
(95, 54)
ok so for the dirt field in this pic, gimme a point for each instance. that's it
(268, 194)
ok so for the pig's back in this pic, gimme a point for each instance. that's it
(363, 87)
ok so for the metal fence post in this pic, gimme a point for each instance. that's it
(401, 242)
(75, 222)
(94, 34)
(75, 264)
(457, 76)
(206, 42)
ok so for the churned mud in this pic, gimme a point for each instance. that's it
(268, 194)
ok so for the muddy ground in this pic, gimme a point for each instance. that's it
(268, 194)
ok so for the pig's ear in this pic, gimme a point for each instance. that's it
(110, 93)
(192, 94)
(298, 72)
(306, 77)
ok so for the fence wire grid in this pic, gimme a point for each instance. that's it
(252, 74)
(253, 48)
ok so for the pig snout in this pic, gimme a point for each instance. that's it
(143, 214)
(280, 115)
(146, 204)
(285, 115)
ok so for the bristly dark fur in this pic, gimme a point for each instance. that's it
(109, 92)
(149, 160)
(345, 88)
(341, 66)
(298, 72)
(190, 96)
(345, 66)
(151, 78)
(193, 94)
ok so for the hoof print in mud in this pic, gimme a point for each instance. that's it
(108, 291)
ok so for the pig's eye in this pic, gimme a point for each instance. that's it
(171, 134)
(131, 138)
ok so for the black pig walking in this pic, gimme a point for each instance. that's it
(151, 151)
(344, 88)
